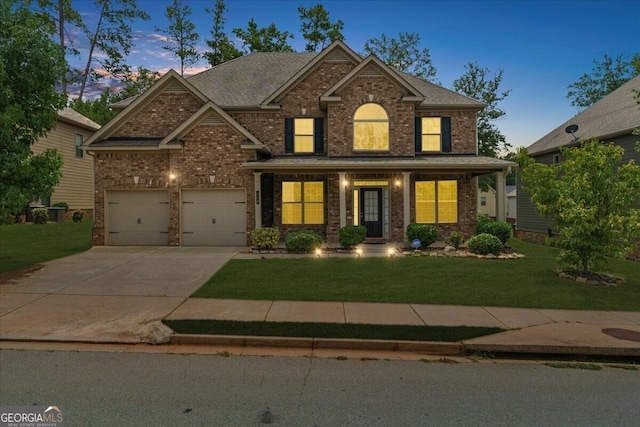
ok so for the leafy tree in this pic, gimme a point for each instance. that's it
(317, 29)
(590, 199)
(112, 37)
(605, 77)
(222, 49)
(403, 54)
(476, 84)
(181, 35)
(98, 109)
(30, 66)
(265, 39)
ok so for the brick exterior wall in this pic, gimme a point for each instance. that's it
(216, 148)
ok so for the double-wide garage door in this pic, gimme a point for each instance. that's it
(208, 218)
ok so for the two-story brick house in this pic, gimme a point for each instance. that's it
(290, 140)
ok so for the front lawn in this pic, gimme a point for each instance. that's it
(22, 245)
(527, 282)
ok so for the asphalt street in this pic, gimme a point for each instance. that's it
(139, 389)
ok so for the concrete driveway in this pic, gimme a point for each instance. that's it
(106, 294)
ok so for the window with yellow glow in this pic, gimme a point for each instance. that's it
(302, 203)
(437, 202)
(371, 128)
(303, 137)
(431, 133)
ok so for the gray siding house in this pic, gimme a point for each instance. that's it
(612, 119)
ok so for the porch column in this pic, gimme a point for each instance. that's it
(500, 197)
(257, 186)
(406, 204)
(343, 199)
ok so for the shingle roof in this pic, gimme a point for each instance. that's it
(248, 80)
(615, 114)
(70, 115)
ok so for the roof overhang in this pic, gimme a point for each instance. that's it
(470, 164)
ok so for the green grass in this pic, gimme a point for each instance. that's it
(329, 330)
(527, 282)
(22, 245)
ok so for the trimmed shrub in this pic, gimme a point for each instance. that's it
(502, 230)
(78, 215)
(301, 242)
(352, 235)
(265, 238)
(484, 244)
(40, 215)
(455, 239)
(60, 205)
(426, 233)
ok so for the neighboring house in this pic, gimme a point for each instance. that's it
(297, 141)
(487, 202)
(612, 120)
(76, 185)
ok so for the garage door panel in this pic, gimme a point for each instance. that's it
(138, 218)
(213, 218)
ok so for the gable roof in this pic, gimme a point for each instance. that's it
(215, 114)
(372, 66)
(166, 81)
(616, 114)
(69, 115)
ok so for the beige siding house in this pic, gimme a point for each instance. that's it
(76, 184)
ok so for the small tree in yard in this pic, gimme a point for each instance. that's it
(592, 202)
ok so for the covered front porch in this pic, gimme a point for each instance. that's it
(378, 193)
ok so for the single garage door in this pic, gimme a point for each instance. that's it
(138, 218)
(214, 218)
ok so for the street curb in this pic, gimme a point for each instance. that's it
(554, 349)
(434, 348)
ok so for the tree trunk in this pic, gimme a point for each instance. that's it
(94, 39)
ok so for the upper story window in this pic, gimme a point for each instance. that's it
(303, 135)
(433, 134)
(371, 128)
(79, 140)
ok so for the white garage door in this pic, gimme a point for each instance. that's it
(137, 218)
(214, 218)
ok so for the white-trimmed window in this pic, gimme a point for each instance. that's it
(371, 128)
(303, 202)
(79, 139)
(437, 202)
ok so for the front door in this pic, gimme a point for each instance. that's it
(371, 211)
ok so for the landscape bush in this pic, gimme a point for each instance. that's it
(78, 215)
(502, 230)
(40, 215)
(302, 241)
(484, 244)
(455, 239)
(265, 238)
(60, 205)
(352, 235)
(426, 233)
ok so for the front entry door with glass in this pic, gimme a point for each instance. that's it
(371, 211)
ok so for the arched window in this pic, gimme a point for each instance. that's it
(371, 128)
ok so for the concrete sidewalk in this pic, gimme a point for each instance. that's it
(121, 295)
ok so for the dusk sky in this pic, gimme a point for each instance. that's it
(542, 46)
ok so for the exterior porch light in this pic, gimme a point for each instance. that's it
(345, 183)
(172, 176)
(398, 183)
